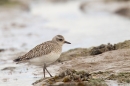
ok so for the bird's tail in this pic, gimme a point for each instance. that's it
(19, 59)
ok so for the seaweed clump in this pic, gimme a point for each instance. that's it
(71, 77)
(101, 49)
(121, 77)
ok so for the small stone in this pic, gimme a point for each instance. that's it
(66, 79)
(58, 83)
(76, 77)
(62, 74)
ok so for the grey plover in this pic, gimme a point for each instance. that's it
(44, 54)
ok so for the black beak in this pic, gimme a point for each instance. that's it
(67, 42)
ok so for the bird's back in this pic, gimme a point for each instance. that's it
(45, 50)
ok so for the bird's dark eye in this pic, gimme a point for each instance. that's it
(60, 39)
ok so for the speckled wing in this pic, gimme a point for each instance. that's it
(40, 50)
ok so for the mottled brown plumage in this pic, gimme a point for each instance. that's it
(40, 50)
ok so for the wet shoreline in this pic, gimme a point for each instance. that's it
(23, 28)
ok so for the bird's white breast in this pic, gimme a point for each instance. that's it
(47, 59)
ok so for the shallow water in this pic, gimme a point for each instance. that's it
(46, 20)
(83, 30)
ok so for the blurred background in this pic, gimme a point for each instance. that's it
(27, 23)
(85, 23)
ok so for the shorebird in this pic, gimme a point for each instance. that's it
(44, 54)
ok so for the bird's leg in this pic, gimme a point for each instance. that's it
(47, 70)
(44, 67)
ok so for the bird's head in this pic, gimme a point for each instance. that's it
(60, 40)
